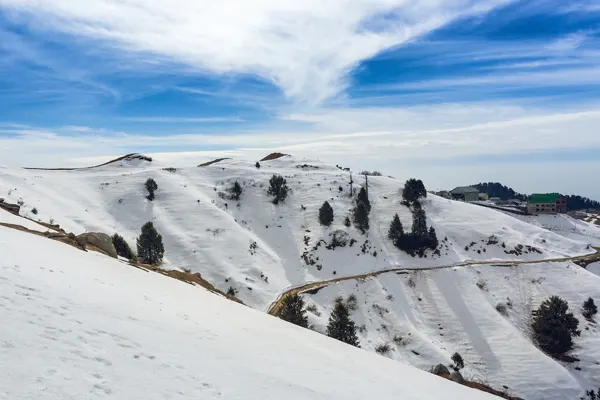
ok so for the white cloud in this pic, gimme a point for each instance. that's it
(183, 119)
(304, 47)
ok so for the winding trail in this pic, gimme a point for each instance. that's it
(276, 305)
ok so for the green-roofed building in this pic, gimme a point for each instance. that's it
(546, 203)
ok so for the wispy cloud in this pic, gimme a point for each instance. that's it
(183, 119)
(306, 48)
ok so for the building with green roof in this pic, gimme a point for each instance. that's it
(546, 203)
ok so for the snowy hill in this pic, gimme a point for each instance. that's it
(260, 250)
(254, 246)
(567, 226)
(81, 325)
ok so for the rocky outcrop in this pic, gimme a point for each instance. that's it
(440, 369)
(99, 240)
(456, 376)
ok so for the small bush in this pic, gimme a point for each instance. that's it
(187, 270)
(231, 291)
(34, 211)
(482, 284)
(347, 222)
(398, 340)
(589, 308)
(257, 165)
(411, 282)
(122, 246)
(383, 349)
(502, 308)
(458, 361)
(351, 302)
(235, 191)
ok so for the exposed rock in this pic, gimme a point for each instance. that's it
(440, 369)
(455, 376)
(12, 208)
(99, 240)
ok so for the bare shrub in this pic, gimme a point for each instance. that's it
(502, 308)
(351, 302)
(411, 282)
(383, 349)
(482, 284)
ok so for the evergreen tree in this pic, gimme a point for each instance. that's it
(293, 311)
(149, 245)
(347, 221)
(361, 217)
(396, 230)
(553, 326)
(433, 238)
(122, 247)
(589, 308)
(236, 191)
(326, 214)
(278, 188)
(341, 326)
(257, 165)
(458, 361)
(413, 190)
(362, 197)
(419, 227)
(151, 187)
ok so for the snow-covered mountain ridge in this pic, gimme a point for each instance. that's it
(260, 249)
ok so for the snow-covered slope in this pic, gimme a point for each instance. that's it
(80, 325)
(258, 248)
(566, 226)
(483, 312)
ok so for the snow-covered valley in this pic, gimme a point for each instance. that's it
(440, 304)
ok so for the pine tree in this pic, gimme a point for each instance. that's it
(278, 188)
(151, 187)
(341, 326)
(361, 217)
(257, 165)
(236, 191)
(458, 361)
(413, 190)
(589, 308)
(149, 245)
(347, 221)
(433, 238)
(293, 311)
(362, 197)
(122, 247)
(419, 227)
(326, 214)
(396, 230)
(553, 326)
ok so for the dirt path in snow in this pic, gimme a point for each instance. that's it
(276, 305)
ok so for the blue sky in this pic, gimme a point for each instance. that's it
(453, 91)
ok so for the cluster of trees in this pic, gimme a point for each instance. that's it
(495, 189)
(340, 326)
(575, 203)
(150, 248)
(420, 238)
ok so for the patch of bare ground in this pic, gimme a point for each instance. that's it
(216, 160)
(274, 156)
(485, 388)
(192, 278)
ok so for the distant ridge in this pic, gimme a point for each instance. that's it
(126, 157)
